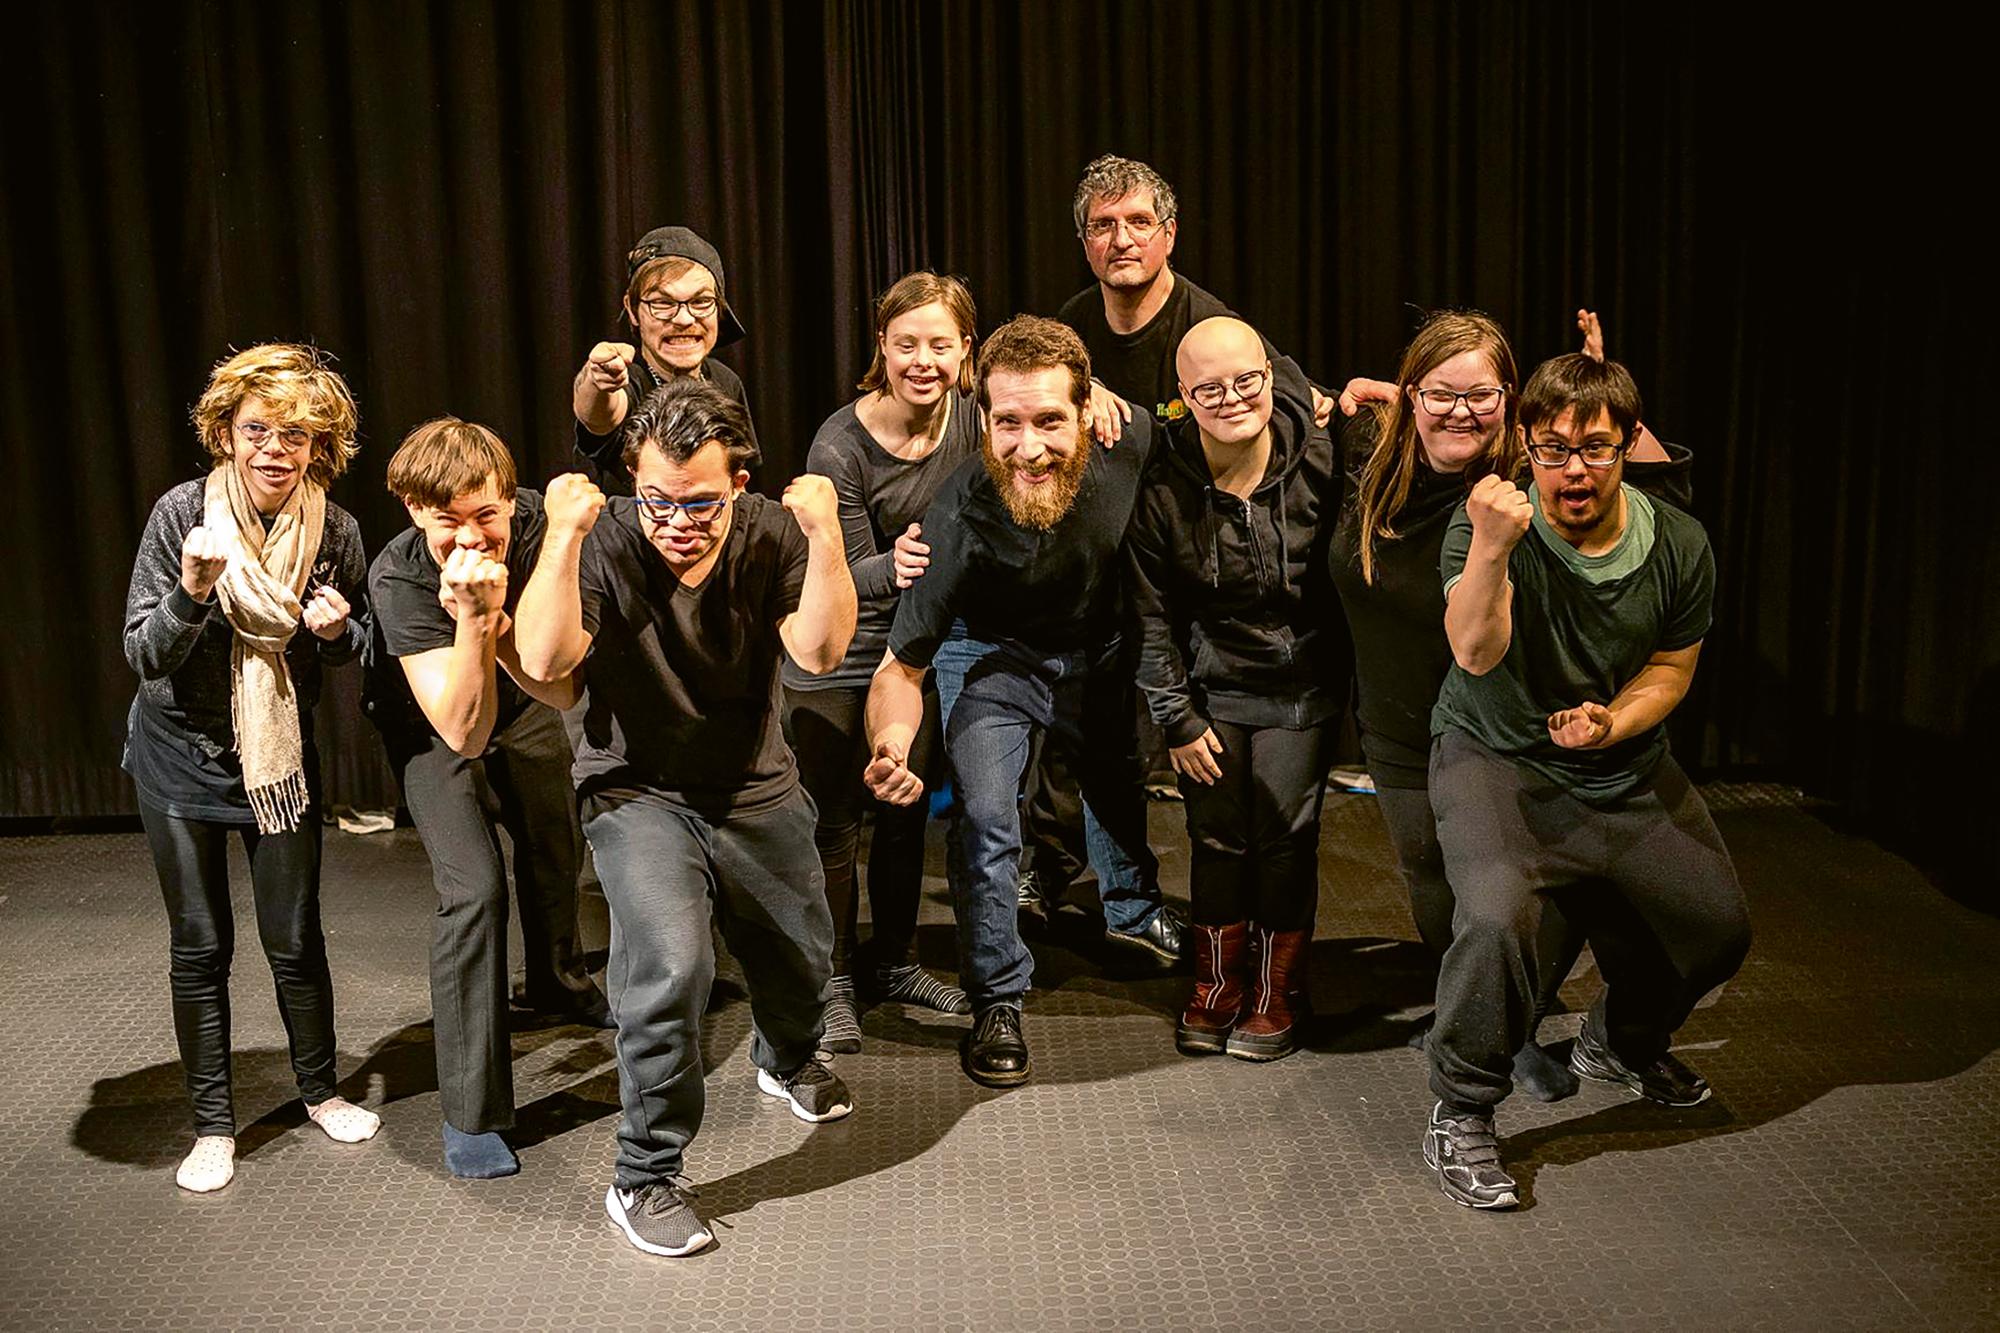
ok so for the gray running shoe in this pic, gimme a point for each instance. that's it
(1666, 1080)
(1465, 1153)
(658, 1218)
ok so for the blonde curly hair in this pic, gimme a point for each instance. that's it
(302, 388)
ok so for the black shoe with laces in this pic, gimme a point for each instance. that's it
(1160, 936)
(813, 1091)
(1465, 1153)
(658, 1218)
(1666, 1080)
(994, 1052)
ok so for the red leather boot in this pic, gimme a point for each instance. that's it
(1218, 996)
(1278, 1004)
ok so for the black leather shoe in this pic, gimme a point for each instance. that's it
(994, 1052)
(1160, 936)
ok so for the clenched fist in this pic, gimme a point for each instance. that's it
(326, 614)
(571, 503)
(1584, 727)
(911, 555)
(472, 584)
(813, 503)
(203, 558)
(889, 779)
(609, 367)
(1500, 511)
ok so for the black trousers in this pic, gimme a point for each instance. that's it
(192, 858)
(1413, 833)
(459, 805)
(828, 735)
(1675, 925)
(1254, 834)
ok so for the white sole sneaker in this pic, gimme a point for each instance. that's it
(614, 1208)
(772, 1086)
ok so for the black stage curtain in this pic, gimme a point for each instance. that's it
(1775, 222)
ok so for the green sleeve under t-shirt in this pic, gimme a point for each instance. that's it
(1584, 626)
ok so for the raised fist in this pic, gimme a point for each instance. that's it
(326, 614)
(1592, 330)
(610, 366)
(203, 558)
(1500, 511)
(473, 584)
(889, 779)
(813, 503)
(1584, 727)
(572, 503)
(910, 557)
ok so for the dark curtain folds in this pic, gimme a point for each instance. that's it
(1776, 225)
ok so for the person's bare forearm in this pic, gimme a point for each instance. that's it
(1651, 696)
(466, 703)
(601, 411)
(559, 694)
(1479, 614)
(895, 706)
(817, 634)
(548, 625)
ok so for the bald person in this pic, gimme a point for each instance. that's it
(1239, 650)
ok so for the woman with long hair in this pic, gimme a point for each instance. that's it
(247, 583)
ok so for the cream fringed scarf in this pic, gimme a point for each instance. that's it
(260, 592)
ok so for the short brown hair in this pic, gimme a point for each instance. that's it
(680, 417)
(445, 458)
(1027, 343)
(910, 292)
(303, 389)
(664, 269)
(1586, 384)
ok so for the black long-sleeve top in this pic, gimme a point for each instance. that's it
(1232, 596)
(180, 745)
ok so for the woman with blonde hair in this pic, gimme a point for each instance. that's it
(248, 581)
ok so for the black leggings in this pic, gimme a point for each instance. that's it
(827, 733)
(1254, 835)
(192, 858)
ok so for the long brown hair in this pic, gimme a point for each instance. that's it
(1387, 475)
(910, 292)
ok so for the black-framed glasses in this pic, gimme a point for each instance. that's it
(1478, 401)
(1140, 229)
(257, 434)
(1594, 454)
(665, 308)
(1212, 394)
(700, 513)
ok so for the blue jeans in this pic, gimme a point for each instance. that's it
(993, 697)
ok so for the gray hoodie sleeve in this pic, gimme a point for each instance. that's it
(162, 622)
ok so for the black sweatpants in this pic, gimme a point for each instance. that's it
(192, 858)
(1254, 834)
(459, 805)
(1678, 928)
(827, 733)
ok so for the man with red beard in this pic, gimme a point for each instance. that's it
(1576, 609)
(1023, 553)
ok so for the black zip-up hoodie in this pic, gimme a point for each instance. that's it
(1235, 607)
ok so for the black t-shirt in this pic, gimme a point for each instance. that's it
(681, 701)
(597, 456)
(1055, 591)
(1140, 365)
(403, 589)
(880, 496)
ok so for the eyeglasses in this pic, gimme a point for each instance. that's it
(700, 513)
(1479, 401)
(256, 434)
(1140, 229)
(664, 308)
(1595, 454)
(1214, 393)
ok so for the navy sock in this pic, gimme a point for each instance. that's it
(1545, 1078)
(478, 1156)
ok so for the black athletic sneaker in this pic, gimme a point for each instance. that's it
(1666, 1081)
(813, 1091)
(658, 1218)
(1465, 1153)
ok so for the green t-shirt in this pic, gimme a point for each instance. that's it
(1584, 626)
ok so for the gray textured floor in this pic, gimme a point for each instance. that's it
(1841, 1178)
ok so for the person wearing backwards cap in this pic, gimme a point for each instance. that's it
(677, 306)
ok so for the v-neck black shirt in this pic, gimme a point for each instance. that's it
(681, 700)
